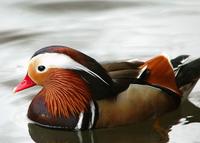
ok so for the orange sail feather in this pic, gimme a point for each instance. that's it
(162, 74)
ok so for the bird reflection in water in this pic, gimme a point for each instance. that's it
(45, 135)
(118, 135)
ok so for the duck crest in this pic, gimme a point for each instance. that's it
(80, 58)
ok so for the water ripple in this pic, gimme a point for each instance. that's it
(61, 6)
(15, 35)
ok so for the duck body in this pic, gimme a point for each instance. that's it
(79, 93)
(137, 103)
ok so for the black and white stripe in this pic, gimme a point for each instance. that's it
(87, 119)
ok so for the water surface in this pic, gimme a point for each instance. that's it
(105, 30)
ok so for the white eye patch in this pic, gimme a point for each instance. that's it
(57, 60)
(54, 60)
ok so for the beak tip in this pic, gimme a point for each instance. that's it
(14, 90)
(24, 84)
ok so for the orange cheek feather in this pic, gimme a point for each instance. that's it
(66, 93)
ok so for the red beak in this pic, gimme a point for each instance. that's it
(24, 84)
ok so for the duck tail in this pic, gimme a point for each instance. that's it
(187, 72)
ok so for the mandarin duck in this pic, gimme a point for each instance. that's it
(79, 93)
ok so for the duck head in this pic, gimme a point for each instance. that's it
(71, 82)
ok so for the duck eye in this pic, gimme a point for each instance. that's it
(41, 68)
